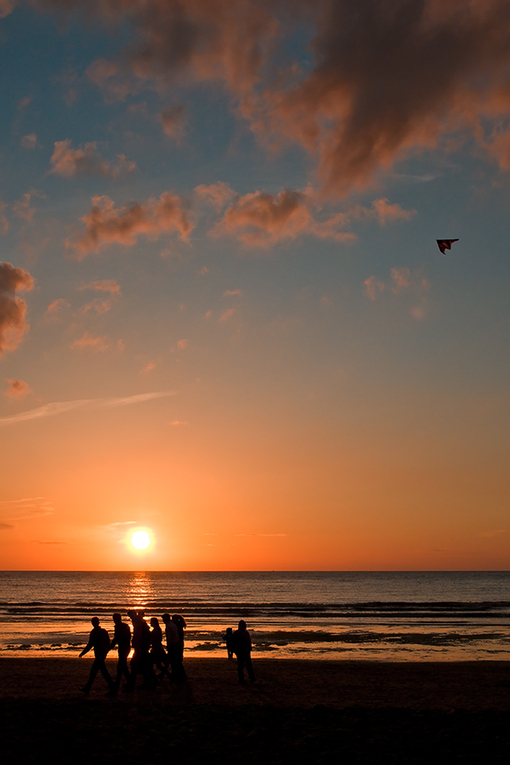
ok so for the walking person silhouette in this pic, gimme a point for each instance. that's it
(140, 662)
(99, 640)
(121, 639)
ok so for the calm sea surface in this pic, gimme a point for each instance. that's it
(396, 616)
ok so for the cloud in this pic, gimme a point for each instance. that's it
(260, 535)
(106, 224)
(6, 7)
(97, 305)
(22, 208)
(51, 542)
(6, 526)
(428, 69)
(55, 309)
(389, 213)
(182, 344)
(499, 148)
(262, 219)
(24, 102)
(60, 407)
(17, 388)
(215, 194)
(114, 80)
(226, 315)
(103, 285)
(69, 162)
(373, 286)
(232, 293)
(173, 122)
(98, 344)
(26, 508)
(385, 78)
(101, 305)
(29, 141)
(12, 308)
(402, 279)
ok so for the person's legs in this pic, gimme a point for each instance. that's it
(92, 676)
(102, 668)
(122, 669)
(240, 673)
(249, 667)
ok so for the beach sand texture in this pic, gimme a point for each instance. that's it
(297, 711)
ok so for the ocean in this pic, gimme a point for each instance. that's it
(382, 616)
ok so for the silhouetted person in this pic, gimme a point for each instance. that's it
(229, 640)
(173, 647)
(99, 640)
(157, 654)
(140, 662)
(179, 622)
(121, 639)
(242, 649)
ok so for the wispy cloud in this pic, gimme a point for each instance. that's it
(260, 535)
(28, 507)
(54, 542)
(173, 122)
(99, 344)
(55, 309)
(29, 141)
(402, 279)
(102, 285)
(493, 533)
(59, 407)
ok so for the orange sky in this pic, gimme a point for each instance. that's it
(223, 313)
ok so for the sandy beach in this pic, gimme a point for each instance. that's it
(297, 711)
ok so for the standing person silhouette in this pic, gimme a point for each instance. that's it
(121, 639)
(140, 662)
(157, 654)
(99, 640)
(242, 648)
(181, 626)
(173, 647)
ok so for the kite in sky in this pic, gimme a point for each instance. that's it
(445, 244)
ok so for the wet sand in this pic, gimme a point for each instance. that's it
(297, 711)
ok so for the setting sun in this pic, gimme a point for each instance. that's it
(140, 539)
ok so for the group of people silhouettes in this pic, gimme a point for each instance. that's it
(148, 651)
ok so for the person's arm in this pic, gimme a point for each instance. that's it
(87, 647)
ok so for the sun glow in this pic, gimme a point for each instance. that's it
(140, 539)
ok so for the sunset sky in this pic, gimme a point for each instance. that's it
(224, 318)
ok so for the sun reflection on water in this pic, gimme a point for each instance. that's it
(140, 589)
